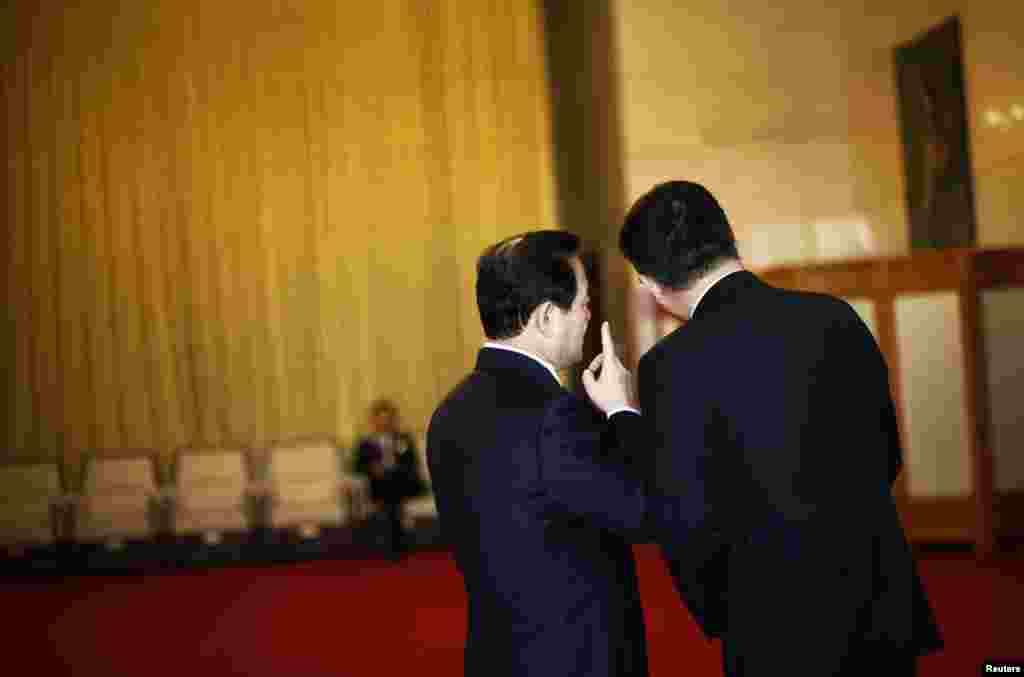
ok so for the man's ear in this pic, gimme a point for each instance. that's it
(653, 287)
(543, 318)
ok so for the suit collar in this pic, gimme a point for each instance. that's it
(715, 279)
(536, 358)
(724, 293)
(498, 361)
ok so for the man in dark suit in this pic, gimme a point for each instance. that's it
(388, 457)
(775, 446)
(535, 488)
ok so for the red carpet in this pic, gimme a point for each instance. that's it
(370, 617)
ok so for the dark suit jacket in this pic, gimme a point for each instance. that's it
(536, 494)
(403, 480)
(774, 449)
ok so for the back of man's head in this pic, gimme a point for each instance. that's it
(676, 233)
(519, 273)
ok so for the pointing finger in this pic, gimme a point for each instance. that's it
(606, 340)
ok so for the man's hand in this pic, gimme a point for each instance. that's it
(614, 387)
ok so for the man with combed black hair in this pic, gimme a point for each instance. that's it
(536, 489)
(775, 447)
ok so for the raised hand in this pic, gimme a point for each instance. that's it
(614, 387)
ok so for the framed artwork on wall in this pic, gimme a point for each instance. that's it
(936, 154)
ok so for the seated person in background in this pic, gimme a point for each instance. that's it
(388, 457)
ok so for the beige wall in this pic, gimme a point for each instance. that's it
(239, 226)
(236, 225)
(993, 61)
(707, 94)
(788, 114)
(588, 151)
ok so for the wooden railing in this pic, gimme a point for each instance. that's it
(950, 325)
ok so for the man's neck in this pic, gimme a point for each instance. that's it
(694, 295)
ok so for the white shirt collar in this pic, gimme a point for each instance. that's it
(547, 365)
(715, 280)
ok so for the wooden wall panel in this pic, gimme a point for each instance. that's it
(97, 210)
(1002, 326)
(937, 433)
(441, 290)
(43, 284)
(8, 320)
(21, 402)
(152, 210)
(235, 227)
(74, 386)
(125, 150)
(941, 301)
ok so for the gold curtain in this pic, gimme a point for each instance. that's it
(234, 223)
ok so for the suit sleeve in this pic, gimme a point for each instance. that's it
(586, 477)
(680, 419)
(890, 426)
(366, 453)
(888, 421)
(411, 467)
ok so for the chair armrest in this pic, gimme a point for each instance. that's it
(353, 481)
(166, 493)
(66, 499)
(259, 488)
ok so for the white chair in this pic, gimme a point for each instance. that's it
(117, 496)
(210, 492)
(306, 488)
(29, 492)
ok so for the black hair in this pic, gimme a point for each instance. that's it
(519, 273)
(676, 233)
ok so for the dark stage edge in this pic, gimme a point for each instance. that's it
(264, 547)
(260, 547)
